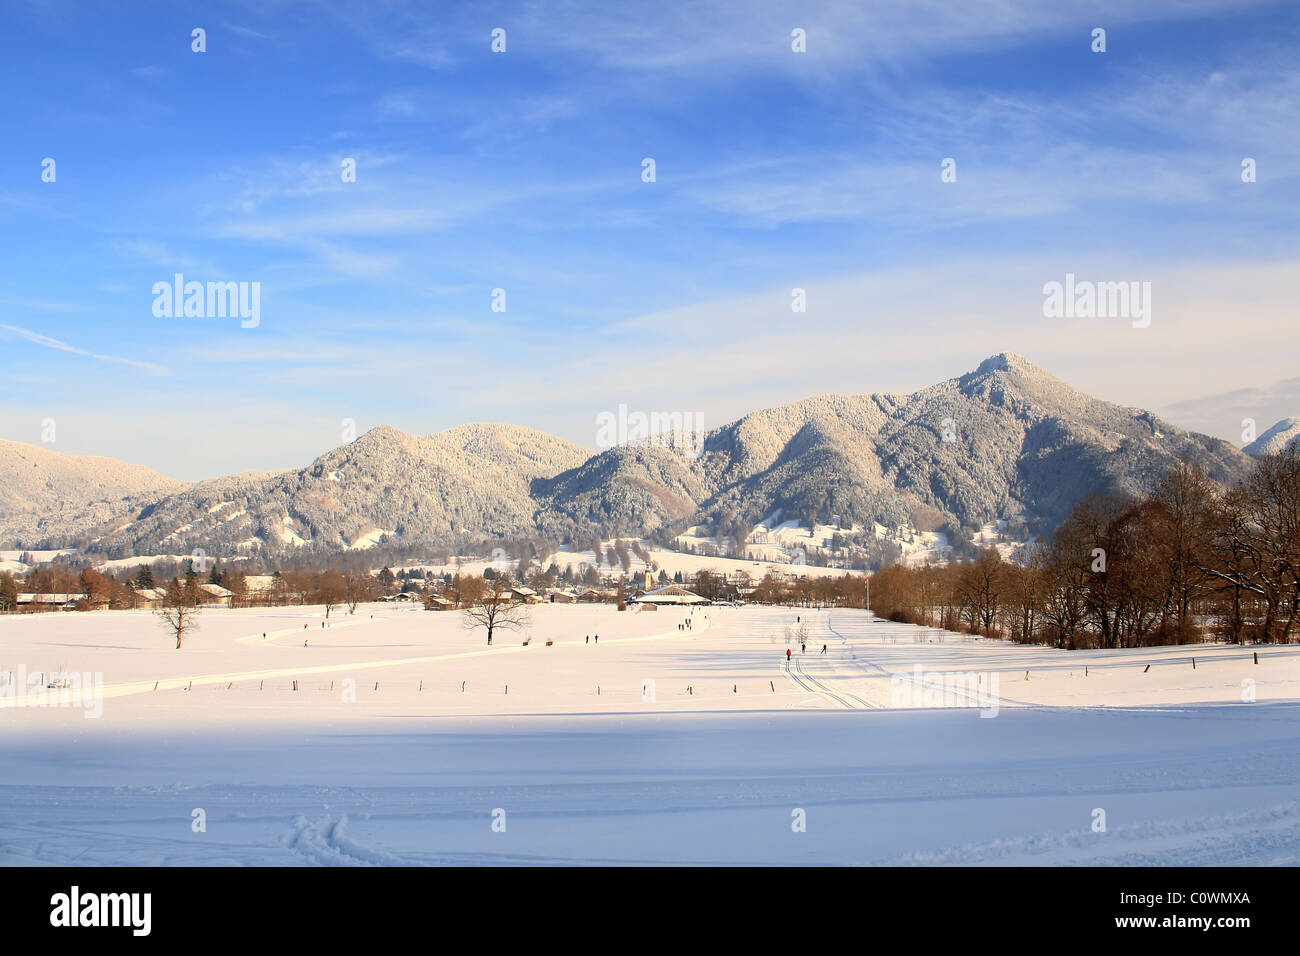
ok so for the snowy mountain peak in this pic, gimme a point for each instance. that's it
(1007, 362)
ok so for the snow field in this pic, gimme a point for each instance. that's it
(1185, 769)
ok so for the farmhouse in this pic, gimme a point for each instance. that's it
(525, 595)
(214, 594)
(48, 602)
(151, 598)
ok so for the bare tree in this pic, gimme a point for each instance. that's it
(980, 589)
(1258, 544)
(180, 610)
(357, 587)
(1026, 587)
(1187, 500)
(496, 608)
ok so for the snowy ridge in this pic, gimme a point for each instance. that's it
(1276, 439)
(47, 495)
(1006, 442)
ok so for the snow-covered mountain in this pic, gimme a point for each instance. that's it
(1006, 441)
(1275, 439)
(46, 495)
(472, 478)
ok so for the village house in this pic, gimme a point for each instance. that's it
(151, 598)
(215, 594)
(48, 602)
(525, 595)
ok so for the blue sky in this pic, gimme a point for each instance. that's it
(522, 171)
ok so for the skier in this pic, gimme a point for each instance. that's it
(803, 648)
(304, 643)
(787, 655)
(587, 639)
(823, 649)
(597, 638)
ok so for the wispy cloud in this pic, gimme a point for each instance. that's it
(246, 31)
(45, 341)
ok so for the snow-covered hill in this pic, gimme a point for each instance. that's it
(472, 478)
(1274, 440)
(47, 496)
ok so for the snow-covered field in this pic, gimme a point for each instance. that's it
(410, 741)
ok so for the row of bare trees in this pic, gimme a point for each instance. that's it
(846, 590)
(1187, 562)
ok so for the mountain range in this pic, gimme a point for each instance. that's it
(1005, 441)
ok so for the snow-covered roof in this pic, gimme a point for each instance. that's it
(671, 594)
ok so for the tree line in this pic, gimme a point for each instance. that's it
(1188, 562)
